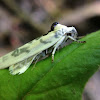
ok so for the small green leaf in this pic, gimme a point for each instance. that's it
(64, 79)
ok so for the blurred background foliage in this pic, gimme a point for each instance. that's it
(23, 20)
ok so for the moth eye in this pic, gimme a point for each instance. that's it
(69, 34)
(53, 26)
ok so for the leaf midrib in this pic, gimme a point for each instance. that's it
(49, 71)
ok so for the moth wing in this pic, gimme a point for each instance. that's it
(22, 66)
(30, 49)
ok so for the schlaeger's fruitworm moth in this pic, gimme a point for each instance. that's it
(20, 59)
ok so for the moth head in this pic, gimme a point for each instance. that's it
(71, 31)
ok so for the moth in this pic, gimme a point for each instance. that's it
(20, 59)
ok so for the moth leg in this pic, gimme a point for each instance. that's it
(35, 63)
(70, 37)
(56, 46)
